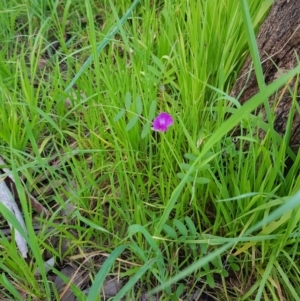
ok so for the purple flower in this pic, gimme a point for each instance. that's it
(162, 122)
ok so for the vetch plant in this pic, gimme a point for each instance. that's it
(162, 122)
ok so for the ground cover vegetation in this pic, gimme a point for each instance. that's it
(181, 211)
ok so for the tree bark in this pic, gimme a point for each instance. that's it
(279, 48)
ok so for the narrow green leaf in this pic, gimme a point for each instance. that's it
(216, 262)
(182, 176)
(146, 130)
(138, 105)
(119, 115)
(152, 110)
(158, 62)
(133, 229)
(90, 223)
(12, 290)
(160, 275)
(180, 290)
(103, 273)
(134, 279)
(154, 71)
(210, 280)
(185, 166)
(235, 267)
(204, 248)
(264, 8)
(193, 246)
(128, 101)
(242, 196)
(181, 227)
(224, 273)
(192, 179)
(266, 274)
(190, 157)
(132, 123)
(191, 226)
(202, 180)
(252, 44)
(287, 280)
(170, 231)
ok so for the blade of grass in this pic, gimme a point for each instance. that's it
(8, 285)
(102, 274)
(255, 54)
(265, 276)
(102, 44)
(133, 280)
(252, 44)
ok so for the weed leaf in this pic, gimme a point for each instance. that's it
(146, 130)
(132, 123)
(191, 225)
(139, 105)
(128, 101)
(170, 231)
(152, 111)
(202, 180)
(181, 227)
(119, 115)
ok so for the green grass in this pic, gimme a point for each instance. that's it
(165, 212)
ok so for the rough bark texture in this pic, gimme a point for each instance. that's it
(279, 46)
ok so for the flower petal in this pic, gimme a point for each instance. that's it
(162, 122)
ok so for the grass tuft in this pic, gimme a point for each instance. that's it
(187, 212)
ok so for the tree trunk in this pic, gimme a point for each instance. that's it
(279, 47)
